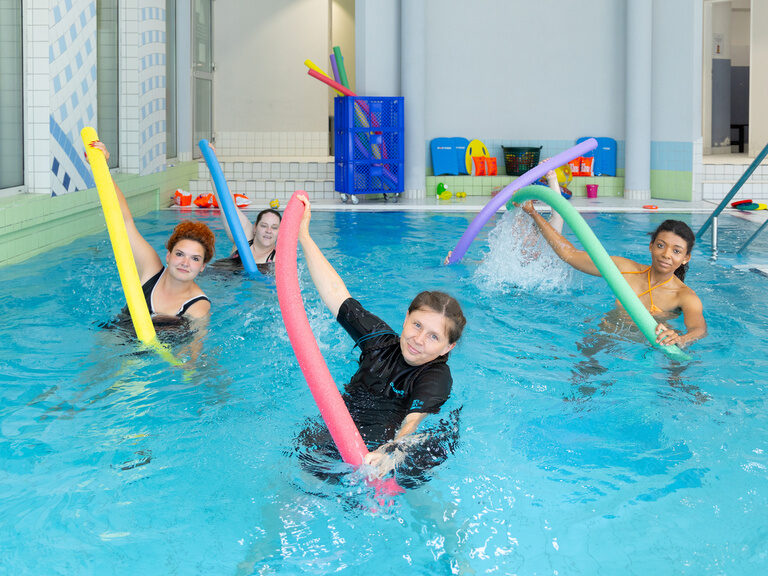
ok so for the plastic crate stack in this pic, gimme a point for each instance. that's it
(369, 145)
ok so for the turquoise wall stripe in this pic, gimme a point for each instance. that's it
(676, 156)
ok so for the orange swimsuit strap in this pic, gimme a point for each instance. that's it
(653, 308)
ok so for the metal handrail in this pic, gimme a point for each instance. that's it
(744, 177)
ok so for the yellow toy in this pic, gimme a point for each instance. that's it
(274, 204)
(564, 175)
(442, 192)
(474, 148)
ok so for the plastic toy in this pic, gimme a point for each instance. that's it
(474, 148)
(442, 192)
(748, 205)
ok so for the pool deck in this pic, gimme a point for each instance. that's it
(476, 203)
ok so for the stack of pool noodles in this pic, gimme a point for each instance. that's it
(368, 148)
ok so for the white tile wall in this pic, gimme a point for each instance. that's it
(718, 179)
(254, 144)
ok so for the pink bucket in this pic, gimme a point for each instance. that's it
(591, 190)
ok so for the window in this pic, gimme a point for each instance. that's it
(11, 113)
(107, 77)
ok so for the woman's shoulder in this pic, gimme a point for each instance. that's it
(627, 265)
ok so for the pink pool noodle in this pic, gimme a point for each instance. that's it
(331, 83)
(332, 408)
(334, 67)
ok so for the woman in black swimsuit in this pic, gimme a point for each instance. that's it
(170, 290)
(261, 236)
(402, 378)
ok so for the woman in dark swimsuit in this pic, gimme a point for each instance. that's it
(401, 378)
(261, 236)
(170, 290)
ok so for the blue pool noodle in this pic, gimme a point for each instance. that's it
(228, 206)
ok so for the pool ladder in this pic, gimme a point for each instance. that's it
(712, 220)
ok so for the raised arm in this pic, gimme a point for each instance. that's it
(147, 261)
(567, 252)
(329, 284)
(244, 222)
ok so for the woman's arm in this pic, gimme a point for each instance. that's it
(388, 455)
(695, 325)
(244, 222)
(567, 252)
(147, 260)
(329, 284)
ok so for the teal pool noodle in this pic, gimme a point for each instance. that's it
(602, 260)
(340, 66)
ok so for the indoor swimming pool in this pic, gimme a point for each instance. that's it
(580, 451)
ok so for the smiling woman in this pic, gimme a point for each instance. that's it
(670, 248)
(170, 290)
(401, 379)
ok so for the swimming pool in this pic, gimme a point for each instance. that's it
(578, 453)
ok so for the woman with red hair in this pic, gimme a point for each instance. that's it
(170, 289)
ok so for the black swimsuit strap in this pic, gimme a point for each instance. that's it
(189, 303)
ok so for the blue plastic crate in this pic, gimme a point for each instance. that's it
(370, 112)
(369, 177)
(356, 145)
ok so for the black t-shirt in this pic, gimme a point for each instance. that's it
(385, 388)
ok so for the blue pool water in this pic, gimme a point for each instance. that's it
(580, 452)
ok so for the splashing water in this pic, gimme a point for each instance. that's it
(519, 257)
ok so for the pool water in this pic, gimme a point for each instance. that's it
(580, 451)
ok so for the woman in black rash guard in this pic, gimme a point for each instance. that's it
(401, 378)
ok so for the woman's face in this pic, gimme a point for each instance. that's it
(668, 252)
(186, 260)
(265, 232)
(424, 336)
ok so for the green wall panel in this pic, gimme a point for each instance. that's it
(31, 223)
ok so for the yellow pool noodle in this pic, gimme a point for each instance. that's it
(312, 66)
(118, 235)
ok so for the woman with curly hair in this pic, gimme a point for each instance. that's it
(170, 289)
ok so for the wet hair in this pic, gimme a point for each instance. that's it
(681, 229)
(444, 304)
(267, 211)
(197, 231)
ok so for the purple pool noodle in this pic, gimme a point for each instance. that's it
(335, 68)
(506, 193)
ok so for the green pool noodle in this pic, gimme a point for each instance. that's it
(340, 66)
(639, 313)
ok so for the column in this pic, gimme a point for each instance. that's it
(413, 79)
(637, 157)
